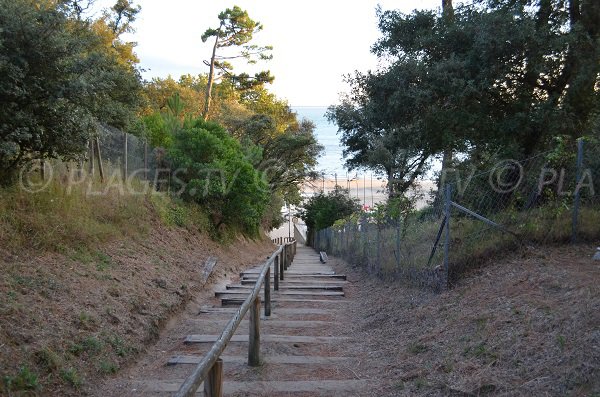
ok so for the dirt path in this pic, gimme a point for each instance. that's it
(304, 343)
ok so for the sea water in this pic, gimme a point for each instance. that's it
(331, 162)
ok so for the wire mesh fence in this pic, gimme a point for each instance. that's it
(113, 160)
(123, 153)
(548, 198)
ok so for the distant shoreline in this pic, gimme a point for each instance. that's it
(361, 189)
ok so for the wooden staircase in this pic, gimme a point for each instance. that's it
(302, 353)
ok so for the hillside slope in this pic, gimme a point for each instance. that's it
(72, 315)
(525, 325)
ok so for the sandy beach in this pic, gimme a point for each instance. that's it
(368, 191)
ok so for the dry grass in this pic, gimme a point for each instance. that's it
(472, 241)
(87, 281)
(524, 325)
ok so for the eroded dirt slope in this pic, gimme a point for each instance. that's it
(67, 321)
(526, 325)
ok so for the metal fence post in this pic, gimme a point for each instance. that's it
(378, 264)
(125, 167)
(447, 209)
(398, 242)
(363, 231)
(576, 199)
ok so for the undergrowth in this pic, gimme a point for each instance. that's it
(73, 219)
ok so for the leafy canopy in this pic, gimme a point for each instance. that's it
(59, 76)
(497, 78)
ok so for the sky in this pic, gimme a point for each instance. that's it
(315, 42)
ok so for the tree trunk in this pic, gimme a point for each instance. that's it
(448, 16)
(211, 78)
(447, 10)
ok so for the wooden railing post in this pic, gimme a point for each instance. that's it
(281, 265)
(254, 342)
(268, 293)
(285, 257)
(276, 273)
(213, 384)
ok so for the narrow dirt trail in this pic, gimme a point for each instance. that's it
(304, 343)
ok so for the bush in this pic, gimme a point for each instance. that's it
(210, 168)
(322, 210)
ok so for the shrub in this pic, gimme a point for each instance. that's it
(210, 169)
(322, 210)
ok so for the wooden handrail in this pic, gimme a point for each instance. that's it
(203, 369)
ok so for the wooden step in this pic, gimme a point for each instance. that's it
(275, 294)
(297, 280)
(329, 287)
(298, 360)
(239, 301)
(282, 311)
(287, 275)
(267, 338)
(267, 322)
(293, 273)
(323, 387)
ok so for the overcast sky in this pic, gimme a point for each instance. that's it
(315, 42)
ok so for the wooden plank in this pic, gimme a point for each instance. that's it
(282, 311)
(281, 292)
(288, 275)
(296, 281)
(325, 387)
(296, 360)
(267, 323)
(239, 301)
(267, 338)
(209, 265)
(331, 287)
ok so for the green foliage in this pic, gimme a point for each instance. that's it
(90, 345)
(211, 170)
(71, 376)
(49, 360)
(58, 77)
(492, 79)
(108, 367)
(322, 210)
(156, 130)
(24, 380)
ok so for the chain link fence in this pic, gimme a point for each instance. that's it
(545, 199)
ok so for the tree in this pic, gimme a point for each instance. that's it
(321, 211)
(289, 147)
(57, 80)
(494, 78)
(236, 28)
